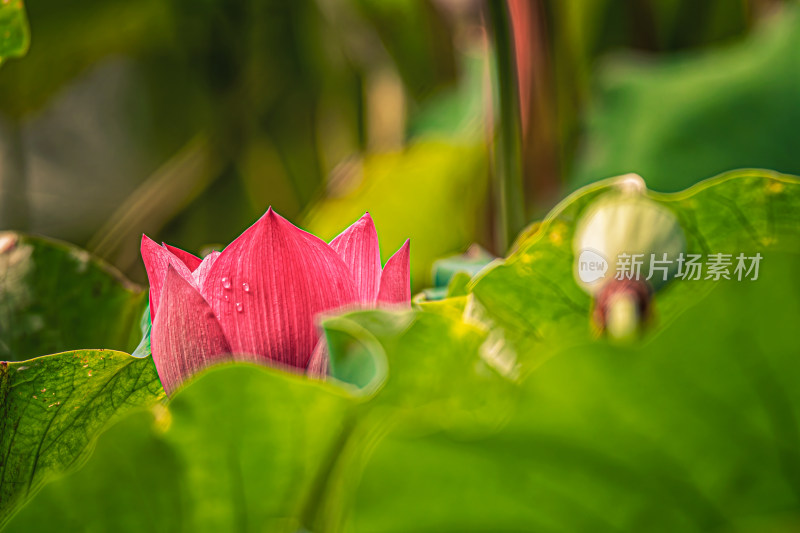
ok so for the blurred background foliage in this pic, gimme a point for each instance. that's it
(186, 119)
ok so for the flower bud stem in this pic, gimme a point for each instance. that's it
(622, 307)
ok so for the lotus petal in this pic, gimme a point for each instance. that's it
(190, 260)
(156, 260)
(186, 336)
(396, 278)
(199, 275)
(358, 248)
(318, 364)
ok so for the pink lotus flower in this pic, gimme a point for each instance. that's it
(257, 300)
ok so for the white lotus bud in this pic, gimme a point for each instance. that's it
(627, 225)
(626, 247)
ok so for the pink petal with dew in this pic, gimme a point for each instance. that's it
(267, 286)
(191, 261)
(156, 260)
(358, 248)
(396, 278)
(186, 336)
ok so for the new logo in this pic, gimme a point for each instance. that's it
(591, 266)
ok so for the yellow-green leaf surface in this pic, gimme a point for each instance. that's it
(52, 408)
(432, 192)
(14, 32)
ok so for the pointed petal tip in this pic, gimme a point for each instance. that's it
(269, 218)
(395, 286)
(364, 221)
(290, 275)
(169, 274)
(158, 260)
(149, 250)
(358, 247)
(272, 217)
(404, 252)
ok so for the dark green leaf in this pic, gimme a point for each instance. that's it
(55, 297)
(69, 38)
(679, 119)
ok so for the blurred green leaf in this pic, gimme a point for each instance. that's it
(432, 192)
(54, 407)
(676, 120)
(459, 284)
(532, 296)
(694, 430)
(470, 262)
(451, 275)
(56, 297)
(15, 35)
(428, 366)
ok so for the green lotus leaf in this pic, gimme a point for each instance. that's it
(56, 297)
(52, 408)
(534, 300)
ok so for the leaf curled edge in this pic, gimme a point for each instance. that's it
(52, 408)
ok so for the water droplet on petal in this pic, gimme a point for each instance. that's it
(246, 287)
(239, 307)
(226, 283)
